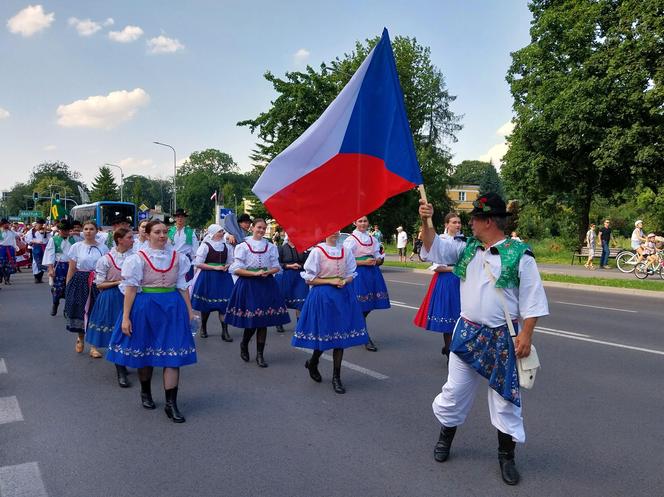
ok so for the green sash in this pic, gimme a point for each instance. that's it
(158, 289)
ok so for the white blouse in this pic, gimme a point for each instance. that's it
(104, 264)
(243, 258)
(132, 269)
(218, 245)
(50, 257)
(37, 237)
(86, 256)
(180, 242)
(8, 238)
(351, 244)
(312, 265)
(480, 302)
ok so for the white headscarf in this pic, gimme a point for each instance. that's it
(212, 230)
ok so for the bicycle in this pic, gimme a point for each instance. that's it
(626, 261)
(642, 270)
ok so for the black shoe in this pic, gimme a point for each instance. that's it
(146, 395)
(203, 333)
(508, 469)
(337, 385)
(171, 407)
(244, 351)
(370, 346)
(280, 329)
(313, 371)
(224, 333)
(40, 276)
(122, 376)
(260, 361)
(54, 309)
(442, 449)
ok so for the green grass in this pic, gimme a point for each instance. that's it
(650, 284)
(407, 265)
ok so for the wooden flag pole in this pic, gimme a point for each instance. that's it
(423, 196)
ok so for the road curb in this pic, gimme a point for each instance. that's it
(558, 284)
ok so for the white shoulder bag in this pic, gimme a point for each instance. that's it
(526, 366)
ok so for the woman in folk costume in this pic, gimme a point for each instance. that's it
(7, 251)
(213, 283)
(369, 284)
(441, 306)
(293, 288)
(155, 329)
(81, 291)
(56, 260)
(108, 305)
(256, 302)
(141, 239)
(331, 317)
(36, 238)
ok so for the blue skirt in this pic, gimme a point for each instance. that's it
(104, 316)
(444, 305)
(37, 258)
(7, 260)
(331, 319)
(79, 301)
(212, 291)
(370, 289)
(256, 303)
(58, 288)
(293, 288)
(161, 334)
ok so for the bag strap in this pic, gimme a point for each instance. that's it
(501, 293)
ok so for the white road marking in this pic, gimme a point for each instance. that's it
(350, 365)
(9, 411)
(3, 367)
(602, 342)
(595, 306)
(22, 480)
(561, 331)
(399, 304)
(406, 282)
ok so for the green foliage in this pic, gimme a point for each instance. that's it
(104, 186)
(654, 285)
(483, 174)
(150, 191)
(303, 96)
(588, 97)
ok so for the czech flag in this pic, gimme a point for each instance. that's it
(359, 153)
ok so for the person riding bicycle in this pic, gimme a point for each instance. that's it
(649, 251)
(638, 238)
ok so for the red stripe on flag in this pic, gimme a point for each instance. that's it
(332, 196)
(421, 319)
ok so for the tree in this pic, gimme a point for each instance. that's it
(104, 187)
(303, 96)
(587, 97)
(150, 191)
(482, 174)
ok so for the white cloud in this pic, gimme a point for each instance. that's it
(301, 56)
(101, 111)
(127, 35)
(163, 44)
(139, 166)
(109, 21)
(4, 114)
(50, 148)
(496, 153)
(506, 129)
(30, 20)
(85, 27)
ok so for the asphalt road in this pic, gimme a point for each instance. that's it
(593, 420)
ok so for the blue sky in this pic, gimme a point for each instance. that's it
(207, 71)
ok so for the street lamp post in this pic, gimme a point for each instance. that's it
(175, 193)
(121, 180)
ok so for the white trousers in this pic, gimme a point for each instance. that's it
(452, 405)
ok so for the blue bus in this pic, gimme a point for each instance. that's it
(104, 212)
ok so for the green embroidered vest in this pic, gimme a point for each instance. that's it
(510, 253)
(109, 240)
(57, 242)
(188, 233)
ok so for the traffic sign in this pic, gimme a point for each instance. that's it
(14, 218)
(25, 214)
(224, 212)
(143, 208)
(142, 215)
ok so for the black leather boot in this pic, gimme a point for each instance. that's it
(146, 395)
(224, 333)
(442, 449)
(122, 376)
(508, 469)
(260, 348)
(171, 407)
(203, 333)
(336, 382)
(54, 308)
(244, 344)
(312, 366)
(370, 346)
(280, 328)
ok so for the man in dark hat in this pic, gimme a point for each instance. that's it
(36, 238)
(498, 276)
(244, 223)
(183, 238)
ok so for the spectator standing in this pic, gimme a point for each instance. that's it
(402, 242)
(590, 243)
(377, 234)
(605, 239)
(417, 245)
